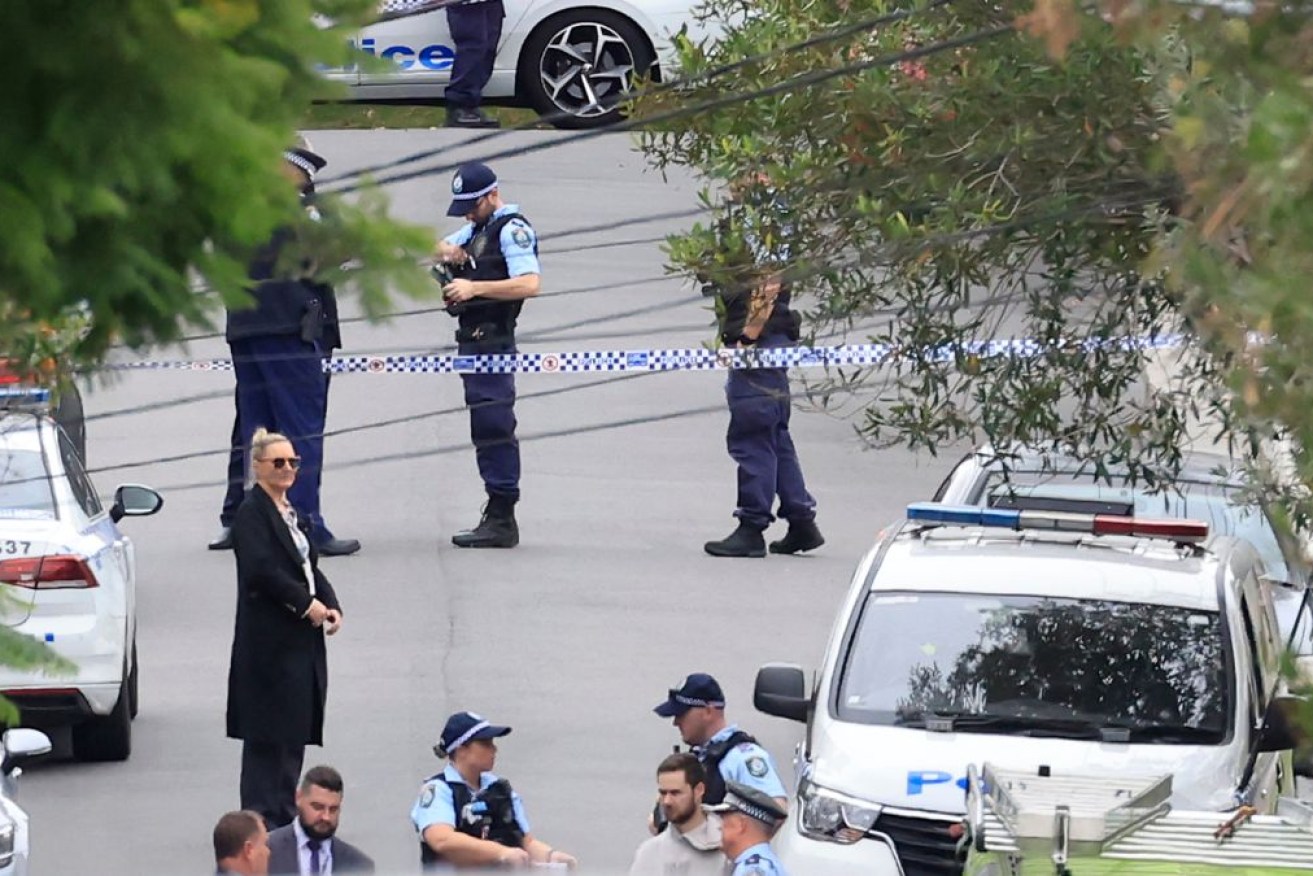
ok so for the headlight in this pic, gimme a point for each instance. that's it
(6, 844)
(834, 817)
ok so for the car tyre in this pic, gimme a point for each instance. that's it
(583, 62)
(108, 737)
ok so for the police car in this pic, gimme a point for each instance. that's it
(571, 61)
(68, 579)
(17, 746)
(1048, 642)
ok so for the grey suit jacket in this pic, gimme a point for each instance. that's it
(283, 860)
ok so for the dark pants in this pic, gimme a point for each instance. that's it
(759, 441)
(270, 772)
(281, 385)
(236, 467)
(475, 32)
(491, 400)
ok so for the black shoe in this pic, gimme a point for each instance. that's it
(496, 529)
(746, 541)
(223, 541)
(338, 547)
(468, 117)
(803, 535)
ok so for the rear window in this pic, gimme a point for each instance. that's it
(25, 489)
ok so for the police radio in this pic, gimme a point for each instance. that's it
(491, 815)
(444, 273)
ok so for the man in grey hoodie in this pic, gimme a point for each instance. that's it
(690, 845)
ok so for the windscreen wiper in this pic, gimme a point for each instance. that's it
(1168, 733)
(1018, 725)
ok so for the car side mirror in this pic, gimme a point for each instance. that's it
(134, 500)
(21, 745)
(1285, 724)
(781, 690)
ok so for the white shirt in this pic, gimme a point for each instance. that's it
(303, 852)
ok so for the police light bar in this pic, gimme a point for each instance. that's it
(1057, 521)
(24, 397)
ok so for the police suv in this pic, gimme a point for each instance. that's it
(1040, 641)
(68, 579)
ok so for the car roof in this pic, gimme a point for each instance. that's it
(22, 430)
(972, 559)
(1199, 467)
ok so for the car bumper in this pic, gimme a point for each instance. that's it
(96, 651)
(866, 857)
(47, 707)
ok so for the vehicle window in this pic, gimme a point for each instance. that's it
(1035, 659)
(1258, 695)
(83, 490)
(1211, 503)
(25, 488)
(943, 486)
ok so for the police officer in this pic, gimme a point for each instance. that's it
(466, 816)
(278, 346)
(475, 30)
(727, 753)
(494, 258)
(756, 316)
(748, 819)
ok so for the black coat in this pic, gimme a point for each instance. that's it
(278, 677)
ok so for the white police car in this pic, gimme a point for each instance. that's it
(569, 59)
(1067, 643)
(17, 746)
(68, 577)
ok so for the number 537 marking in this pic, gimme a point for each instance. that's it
(15, 547)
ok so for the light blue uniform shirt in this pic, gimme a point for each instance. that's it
(437, 805)
(759, 860)
(517, 242)
(749, 764)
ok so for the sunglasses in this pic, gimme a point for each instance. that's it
(294, 462)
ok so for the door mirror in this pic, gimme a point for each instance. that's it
(1286, 724)
(21, 745)
(781, 690)
(134, 500)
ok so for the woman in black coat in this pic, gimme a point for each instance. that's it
(278, 677)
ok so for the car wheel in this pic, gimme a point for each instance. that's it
(134, 702)
(108, 737)
(583, 63)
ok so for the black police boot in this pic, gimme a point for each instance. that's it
(469, 117)
(803, 535)
(746, 541)
(496, 529)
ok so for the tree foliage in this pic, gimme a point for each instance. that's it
(141, 150)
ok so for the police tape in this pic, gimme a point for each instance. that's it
(687, 359)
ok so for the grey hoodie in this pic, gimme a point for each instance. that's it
(671, 853)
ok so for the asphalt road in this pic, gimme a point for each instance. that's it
(571, 638)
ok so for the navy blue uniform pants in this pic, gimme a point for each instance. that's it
(759, 441)
(281, 385)
(236, 468)
(475, 31)
(491, 402)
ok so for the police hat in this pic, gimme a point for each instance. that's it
(471, 182)
(303, 156)
(751, 802)
(464, 727)
(699, 689)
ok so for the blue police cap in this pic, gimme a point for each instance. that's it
(699, 689)
(751, 802)
(471, 182)
(465, 727)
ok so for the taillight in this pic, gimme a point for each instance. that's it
(48, 573)
(7, 374)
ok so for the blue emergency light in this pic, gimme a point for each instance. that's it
(935, 514)
(24, 396)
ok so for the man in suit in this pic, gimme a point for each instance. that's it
(309, 845)
(241, 845)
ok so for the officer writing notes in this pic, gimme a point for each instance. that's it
(748, 819)
(475, 29)
(468, 818)
(493, 262)
(726, 752)
(756, 316)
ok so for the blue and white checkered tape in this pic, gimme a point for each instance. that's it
(686, 359)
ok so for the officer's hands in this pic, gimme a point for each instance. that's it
(514, 858)
(317, 613)
(449, 252)
(332, 622)
(458, 291)
(556, 856)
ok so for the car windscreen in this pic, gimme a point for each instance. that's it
(1215, 504)
(25, 488)
(1032, 665)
